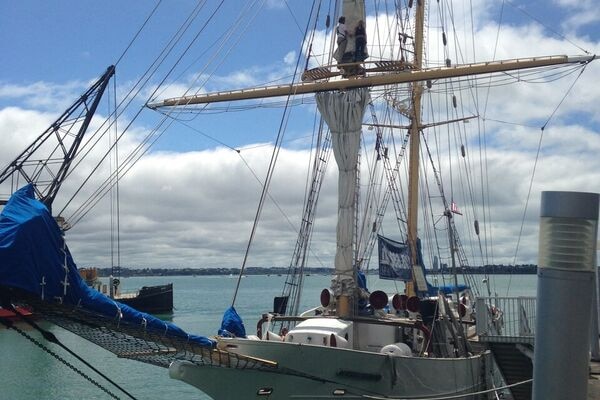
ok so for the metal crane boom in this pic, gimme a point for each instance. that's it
(42, 172)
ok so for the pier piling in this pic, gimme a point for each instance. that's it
(566, 274)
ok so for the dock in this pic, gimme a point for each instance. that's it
(513, 343)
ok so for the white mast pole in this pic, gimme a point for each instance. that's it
(343, 111)
(415, 140)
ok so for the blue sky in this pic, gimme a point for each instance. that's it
(59, 41)
(65, 40)
(199, 195)
(73, 42)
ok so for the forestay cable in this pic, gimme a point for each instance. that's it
(537, 155)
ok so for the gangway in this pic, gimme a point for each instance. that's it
(506, 326)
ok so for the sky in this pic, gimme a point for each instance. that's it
(190, 201)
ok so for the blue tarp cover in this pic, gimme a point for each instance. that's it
(35, 258)
(449, 289)
(232, 324)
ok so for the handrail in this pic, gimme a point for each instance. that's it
(506, 319)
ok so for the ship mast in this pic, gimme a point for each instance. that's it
(327, 89)
(414, 145)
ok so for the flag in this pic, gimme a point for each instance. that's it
(394, 259)
(454, 209)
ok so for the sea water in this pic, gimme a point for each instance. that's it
(30, 373)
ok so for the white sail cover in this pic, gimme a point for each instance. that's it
(343, 112)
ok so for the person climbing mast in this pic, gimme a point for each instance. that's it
(341, 39)
(360, 42)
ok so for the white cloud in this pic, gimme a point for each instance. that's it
(42, 95)
(19, 129)
(275, 4)
(196, 208)
(579, 14)
(290, 58)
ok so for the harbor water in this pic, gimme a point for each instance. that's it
(29, 372)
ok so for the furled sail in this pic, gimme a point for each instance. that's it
(343, 112)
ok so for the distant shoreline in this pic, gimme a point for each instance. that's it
(133, 272)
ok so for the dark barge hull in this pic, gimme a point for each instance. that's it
(152, 299)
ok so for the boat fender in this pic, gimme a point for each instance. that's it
(396, 350)
(337, 341)
(465, 299)
(378, 300)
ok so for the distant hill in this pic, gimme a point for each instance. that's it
(129, 272)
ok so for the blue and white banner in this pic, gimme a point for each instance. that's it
(394, 259)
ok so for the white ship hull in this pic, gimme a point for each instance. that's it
(309, 371)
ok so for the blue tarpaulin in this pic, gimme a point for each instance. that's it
(232, 324)
(449, 289)
(35, 258)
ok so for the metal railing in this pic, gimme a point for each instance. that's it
(506, 319)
